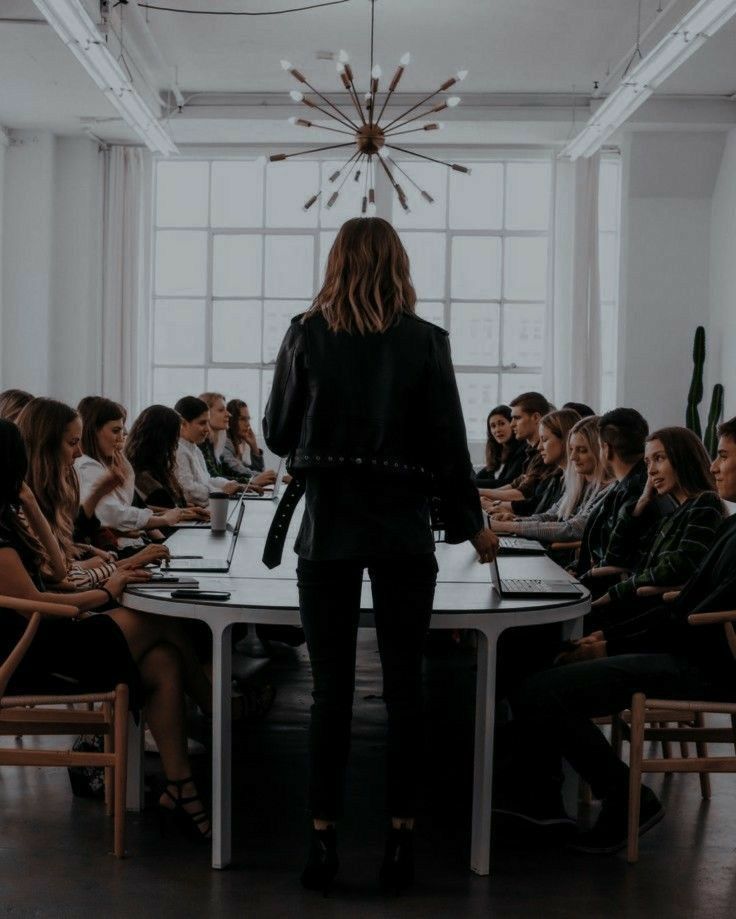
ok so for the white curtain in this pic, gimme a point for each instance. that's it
(125, 333)
(577, 310)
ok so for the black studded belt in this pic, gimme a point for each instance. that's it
(274, 548)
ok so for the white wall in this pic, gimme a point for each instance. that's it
(665, 267)
(51, 210)
(721, 342)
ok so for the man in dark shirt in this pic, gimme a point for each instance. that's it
(656, 653)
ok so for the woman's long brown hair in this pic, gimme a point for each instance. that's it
(367, 283)
(42, 425)
(688, 457)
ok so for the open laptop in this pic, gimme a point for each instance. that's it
(216, 565)
(267, 495)
(516, 545)
(522, 588)
(205, 524)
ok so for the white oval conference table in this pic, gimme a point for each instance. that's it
(464, 599)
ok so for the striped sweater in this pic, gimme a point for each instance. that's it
(670, 555)
(551, 527)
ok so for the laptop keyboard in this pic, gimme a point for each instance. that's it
(525, 585)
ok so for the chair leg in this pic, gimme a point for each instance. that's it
(666, 745)
(733, 729)
(636, 754)
(121, 765)
(108, 747)
(702, 750)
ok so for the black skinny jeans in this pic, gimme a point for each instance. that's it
(552, 712)
(329, 601)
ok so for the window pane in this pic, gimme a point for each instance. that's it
(478, 395)
(171, 383)
(422, 214)
(181, 263)
(426, 253)
(182, 194)
(523, 335)
(474, 333)
(178, 333)
(476, 200)
(289, 266)
(432, 312)
(277, 315)
(237, 194)
(528, 191)
(476, 264)
(235, 384)
(525, 268)
(609, 195)
(608, 262)
(236, 331)
(349, 198)
(288, 185)
(236, 266)
(514, 384)
(325, 244)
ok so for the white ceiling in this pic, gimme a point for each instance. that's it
(509, 46)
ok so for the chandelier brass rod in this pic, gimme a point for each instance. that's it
(402, 124)
(346, 165)
(413, 108)
(410, 131)
(343, 121)
(420, 155)
(404, 173)
(348, 121)
(275, 157)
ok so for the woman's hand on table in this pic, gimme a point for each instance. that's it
(118, 581)
(485, 543)
(195, 513)
(151, 553)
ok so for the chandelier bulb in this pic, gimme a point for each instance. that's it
(405, 59)
(440, 125)
(296, 95)
(453, 101)
(460, 75)
(340, 67)
(377, 73)
(371, 209)
(343, 57)
(285, 65)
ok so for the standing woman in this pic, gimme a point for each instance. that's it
(363, 393)
(504, 453)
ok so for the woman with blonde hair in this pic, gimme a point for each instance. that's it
(12, 403)
(586, 481)
(364, 403)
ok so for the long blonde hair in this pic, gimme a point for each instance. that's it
(367, 283)
(579, 494)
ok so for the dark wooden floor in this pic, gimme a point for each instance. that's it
(55, 861)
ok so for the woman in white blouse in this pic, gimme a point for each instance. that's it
(191, 468)
(103, 435)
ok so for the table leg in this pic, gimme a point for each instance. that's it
(221, 746)
(485, 704)
(134, 787)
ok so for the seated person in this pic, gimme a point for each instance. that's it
(12, 403)
(585, 411)
(151, 450)
(670, 550)
(504, 453)
(527, 410)
(213, 446)
(554, 429)
(103, 434)
(241, 453)
(659, 654)
(603, 549)
(191, 468)
(149, 653)
(586, 482)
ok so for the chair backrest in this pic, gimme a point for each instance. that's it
(11, 662)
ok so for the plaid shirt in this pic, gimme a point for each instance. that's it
(670, 555)
(215, 467)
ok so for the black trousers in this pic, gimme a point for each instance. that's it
(329, 601)
(552, 712)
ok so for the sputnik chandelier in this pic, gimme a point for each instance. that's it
(373, 140)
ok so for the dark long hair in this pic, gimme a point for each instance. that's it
(151, 446)
(234, 407)
(689, 459)
(96, 412)
(497, 453)
(367, 283)
(13, 470)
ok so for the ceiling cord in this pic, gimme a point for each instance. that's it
(296, 9)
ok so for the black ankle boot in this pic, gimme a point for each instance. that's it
(322, 861)
(397, 870)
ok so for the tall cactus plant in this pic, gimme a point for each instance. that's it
(695, 394)
(714, 416)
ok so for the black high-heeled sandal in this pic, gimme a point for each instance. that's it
(322, 861)
(189, 822)
(397, 870)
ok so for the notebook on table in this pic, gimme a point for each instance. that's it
(522, 588)
(215, 565)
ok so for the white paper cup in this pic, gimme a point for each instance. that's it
(219, 506)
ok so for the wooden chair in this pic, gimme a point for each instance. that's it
(29, 715)
(689, 718)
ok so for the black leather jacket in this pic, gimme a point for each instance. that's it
(387, 402)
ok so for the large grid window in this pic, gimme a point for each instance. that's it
(609, 246)
(236, 256)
